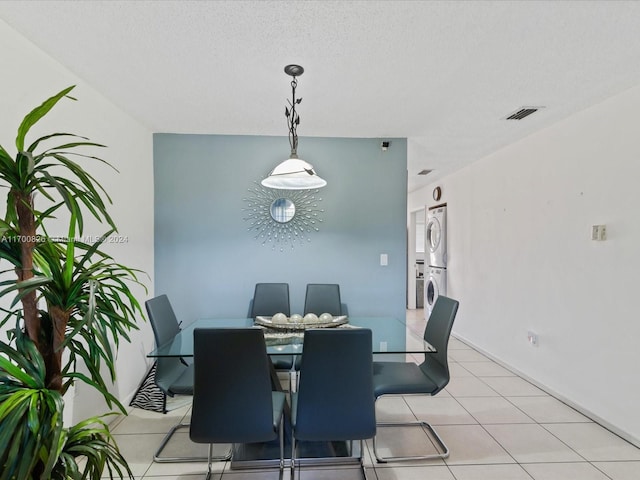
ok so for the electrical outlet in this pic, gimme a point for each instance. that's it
(532, 337)
(383, 346)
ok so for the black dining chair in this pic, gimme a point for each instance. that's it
(269, 299)
(174, 375)
(232, 397)
(335, 400)
(428, 378)
(323, 298)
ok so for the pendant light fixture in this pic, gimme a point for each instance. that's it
(294, 173)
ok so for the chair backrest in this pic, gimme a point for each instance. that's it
(323, 298)
(335, 394)
(232, 400)
(165, 326)
(163, 320)
(437, 333)
(269, 299)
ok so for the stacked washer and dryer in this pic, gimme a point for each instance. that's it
(436, 244)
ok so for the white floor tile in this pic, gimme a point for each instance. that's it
(272, 474)
(469, 387)
(455, 344)
(467, 355)
(114, 420)
(489, 472)
(396, 441)
(513, 387)
(620, 470)
(431, 472)
(309, 473)
(564, 471)
(369, 461)
(488, 410)
(185, 468)
(471, 444)
(138, 450)
(546, 409)
(593, 442)
(181, 446)
(199, 476)
(393, 409)
(457, 370)
(532, 443)
(439, 410)
(486, 369)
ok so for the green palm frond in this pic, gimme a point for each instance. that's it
(30, 415)
(31, 171)
(32, 431)
(37, 113)
(92, 441)
(102, 308)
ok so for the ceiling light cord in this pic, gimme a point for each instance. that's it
(293, 119)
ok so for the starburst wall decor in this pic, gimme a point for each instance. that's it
(282, 218)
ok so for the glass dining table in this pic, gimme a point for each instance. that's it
(391, 341)
(390, 337)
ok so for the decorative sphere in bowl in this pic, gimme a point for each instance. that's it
(311, 318)
(295, 318)
(326, 317)
(279, 318)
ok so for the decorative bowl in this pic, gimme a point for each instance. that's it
(296, 326)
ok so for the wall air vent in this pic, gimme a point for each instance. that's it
(424, 172)
(523, 112)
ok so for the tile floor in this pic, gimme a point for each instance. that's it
(497, 426)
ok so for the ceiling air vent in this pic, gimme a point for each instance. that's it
(523, 112)
(520, 114)
(424, 172)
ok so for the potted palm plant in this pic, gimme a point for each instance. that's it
(66, 302)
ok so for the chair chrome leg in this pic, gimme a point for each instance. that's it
(209, 460)
(158, 459)
(293, 457)
(364, 471)
(443, 447)
(281, 433)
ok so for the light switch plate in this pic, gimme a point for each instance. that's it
(599, 233)
(384, 259)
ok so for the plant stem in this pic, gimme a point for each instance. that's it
(27, 238)
(48, 343)
(59, 320)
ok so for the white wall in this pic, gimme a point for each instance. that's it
(521, 258)
(29, 77)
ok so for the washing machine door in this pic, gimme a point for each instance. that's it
(431, 292)
(433, 234)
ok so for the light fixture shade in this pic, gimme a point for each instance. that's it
(293, 174)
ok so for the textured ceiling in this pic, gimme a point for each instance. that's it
(442, 74)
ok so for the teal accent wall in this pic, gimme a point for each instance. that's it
(207, 261)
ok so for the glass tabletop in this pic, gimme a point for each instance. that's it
(390, 336)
